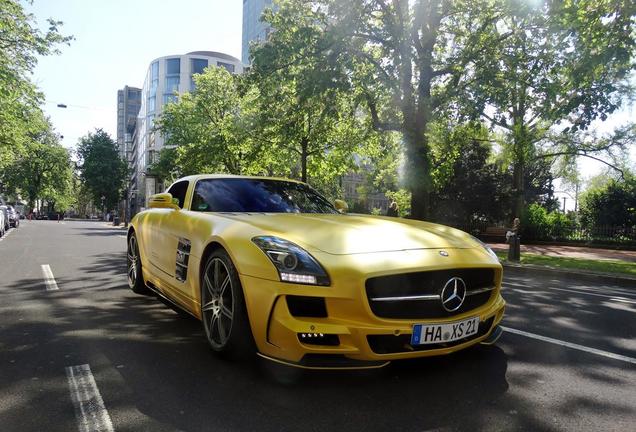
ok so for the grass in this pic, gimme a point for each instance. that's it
(605, 266)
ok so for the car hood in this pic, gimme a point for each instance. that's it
(351, 233)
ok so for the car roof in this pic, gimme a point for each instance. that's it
(196, 177)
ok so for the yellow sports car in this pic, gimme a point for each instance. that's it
(271, 266)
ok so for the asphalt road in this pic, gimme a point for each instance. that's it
(568, 361)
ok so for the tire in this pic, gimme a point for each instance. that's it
(133, 266)
(223, 313)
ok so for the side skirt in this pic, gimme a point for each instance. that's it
(164, 298)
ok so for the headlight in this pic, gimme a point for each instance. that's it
(485, 246)
(294, 264)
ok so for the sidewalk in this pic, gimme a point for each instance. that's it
(571, 252)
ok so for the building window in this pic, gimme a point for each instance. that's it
(170, 98)
(172, 84)
(152, 102)
(173, 66)
(198, 65)
(228, 66)
(154, 78)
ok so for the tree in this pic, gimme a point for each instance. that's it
(307, 112)
(613, 203)
(560, 63)
(210, 127)
(466, 178)
(410, 59)
(21, 42)
(102, 171)
(42, 170)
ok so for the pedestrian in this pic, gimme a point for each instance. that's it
(393, 209)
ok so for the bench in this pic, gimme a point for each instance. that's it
(494, 233)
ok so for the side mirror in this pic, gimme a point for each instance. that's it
(163, 200)
(341, 206)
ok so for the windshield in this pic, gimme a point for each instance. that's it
(258, 196)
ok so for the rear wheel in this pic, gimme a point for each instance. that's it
(135, 276)
(223, 311)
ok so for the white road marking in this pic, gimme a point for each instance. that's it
(49, 280)
(611, 297)
(7, 234)
(571, 345)
(89, 406)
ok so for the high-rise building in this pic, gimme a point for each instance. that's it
(167, 77)
(253, 28)
(128, 103)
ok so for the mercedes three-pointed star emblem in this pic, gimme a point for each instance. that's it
(453, 294)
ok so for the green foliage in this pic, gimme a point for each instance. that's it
(403, 199)
(554, 62)
(166, 168)
(42, 169)
(102, 171)
(612, 203)
(210, 128)
(409, 61)
(21, 43)
(468, 185)
(539, 224)
(307, 114)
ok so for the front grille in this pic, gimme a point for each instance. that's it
(391, 344)
(395, 296)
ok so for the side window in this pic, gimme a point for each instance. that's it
(199, 203)
(178, 191)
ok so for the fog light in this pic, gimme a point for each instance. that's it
(319, 339)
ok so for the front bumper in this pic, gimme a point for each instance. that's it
(364, 340)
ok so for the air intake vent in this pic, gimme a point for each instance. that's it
(301, 306)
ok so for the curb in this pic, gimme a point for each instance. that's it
(607, 278)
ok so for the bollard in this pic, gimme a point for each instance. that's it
(514, 251)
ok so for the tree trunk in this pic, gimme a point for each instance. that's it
(303, 159)
(517, 189)
(418, 178)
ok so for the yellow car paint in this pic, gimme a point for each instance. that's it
(351, 248)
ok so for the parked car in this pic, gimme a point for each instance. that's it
(14, 217)
(2, 218)
(270, 265)
(5, 218)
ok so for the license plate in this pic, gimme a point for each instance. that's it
(440, 333)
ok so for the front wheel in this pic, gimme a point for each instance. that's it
(223, 311)
(133, 261)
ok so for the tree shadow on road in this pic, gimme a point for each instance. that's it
(164, 370)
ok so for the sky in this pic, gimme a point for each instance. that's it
(115, 41)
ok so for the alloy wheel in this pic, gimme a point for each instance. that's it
(217, 302)
(132, 261)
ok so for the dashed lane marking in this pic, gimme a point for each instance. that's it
(571, 345)
(90, 410)
(49, 280)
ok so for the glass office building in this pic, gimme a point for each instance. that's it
(166, 78)
(253, 28)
